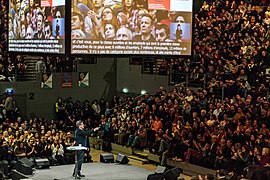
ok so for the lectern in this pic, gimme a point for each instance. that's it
(76, 149)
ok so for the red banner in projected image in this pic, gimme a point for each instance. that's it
(46, 3)
(159, 4)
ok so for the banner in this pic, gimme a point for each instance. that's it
(46, 3)
(67, 80)
(159, 5)
(58, 3)
(47, 80)
(83, 79)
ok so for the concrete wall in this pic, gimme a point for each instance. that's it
(130, 77)
(107, 78)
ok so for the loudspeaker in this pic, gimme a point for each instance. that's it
(172, 174)
(106, 158)
(17, 175)
(121, 159)
(2, 175)
(23, 168)
(158, 176)
(26, 161)
(160, 169)
(42, 163)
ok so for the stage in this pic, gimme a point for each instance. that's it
(94, 171)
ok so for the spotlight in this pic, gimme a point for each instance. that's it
(143, 92)
(125, 90)
(9, 91)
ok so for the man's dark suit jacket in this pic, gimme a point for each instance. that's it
(80, 136)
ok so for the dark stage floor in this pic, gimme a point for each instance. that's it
(94, 171)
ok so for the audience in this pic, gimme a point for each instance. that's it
(229, 131)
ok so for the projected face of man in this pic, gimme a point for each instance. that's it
(18, 5)
(23, 31)
(29, 33)
(82, 76)
(161, 34)
(45, 77)
(180, 19)
(128, 3)
(22, 15)
(123, 34)
(75, 22)
(47, 30)
(58, 14)
(39, 22)
(98, 3)
(140, 13)
(146, 25)
(77, 34)
(109, 31)
(28, 18)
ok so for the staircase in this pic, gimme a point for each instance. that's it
(30, 72)
(158, 63)
(146, 62)
(139, 156)
(144, 157)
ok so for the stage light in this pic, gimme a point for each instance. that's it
(9, 91)
(143, 92)
(125, 90)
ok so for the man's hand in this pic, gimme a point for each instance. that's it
(96, 129)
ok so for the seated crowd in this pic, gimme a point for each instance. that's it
(192, 126)
(231, 42)
(232, 49)
(33, 138)
(14, 67)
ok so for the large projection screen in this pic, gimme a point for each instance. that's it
(37, 26)
(141, 27)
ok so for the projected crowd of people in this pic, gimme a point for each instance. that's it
(231, 44)
(124, 20)
(145, 28)
(39, 21)
(29, 20)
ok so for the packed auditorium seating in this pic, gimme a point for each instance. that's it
(231, 50)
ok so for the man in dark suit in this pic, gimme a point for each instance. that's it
(81, 140)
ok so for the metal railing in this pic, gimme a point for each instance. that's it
(187, 80)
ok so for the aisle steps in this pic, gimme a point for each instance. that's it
(145, 157)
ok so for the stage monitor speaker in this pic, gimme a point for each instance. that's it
(157, 176)
(15, 175)
(106, 158)
(160, 169)
(172, 174)
(23, 168)
(42, 163)
(26, 161)
(121, 159)
(2, 176)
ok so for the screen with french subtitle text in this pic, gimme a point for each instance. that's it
(138, 27)
(36, 26)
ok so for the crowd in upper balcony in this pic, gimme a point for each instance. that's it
(231, 44)
(232, 49)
